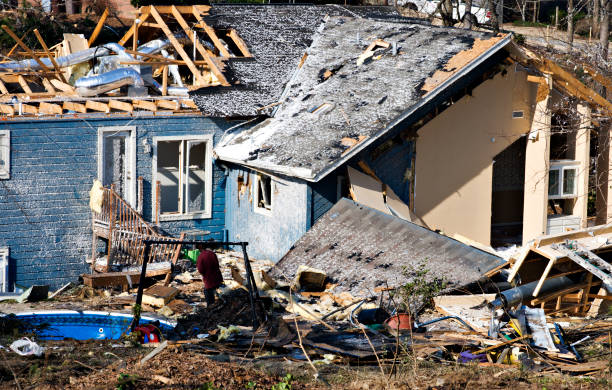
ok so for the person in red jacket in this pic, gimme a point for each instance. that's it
(208, 266)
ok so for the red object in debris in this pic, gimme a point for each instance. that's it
(150, 333)
(402, 319)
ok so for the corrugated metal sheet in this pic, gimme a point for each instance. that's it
(361, 249)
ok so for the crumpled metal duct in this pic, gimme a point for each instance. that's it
(69, 60)
(95, 85)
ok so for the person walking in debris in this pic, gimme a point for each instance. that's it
(208, 266)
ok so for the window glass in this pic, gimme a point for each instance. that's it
(4, 155)
(569, 181)
(168, 174)
(196, 174)
(553, 182)
(264, 192)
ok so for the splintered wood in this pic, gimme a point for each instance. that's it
(47, 86)
(460, 60)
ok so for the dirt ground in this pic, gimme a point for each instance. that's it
(192, 362)
(104, 365)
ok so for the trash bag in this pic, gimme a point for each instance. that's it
(26, 347)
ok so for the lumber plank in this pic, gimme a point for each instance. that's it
(96, 31)
(24, 84)
(211, 33)
(169, 104)
(74, 106)
(544, 276)
(97, 106)
(50, 108)
(3, 88)
(240, 43)
(64, 87)
(189, 103)
(164, 90)
(51, 57)
(597, 76)
(508, 342)
(177, 46)
(574, 86)
(7, 109)
(143, 17)
(563, 292)
(120, 105)
(25, 47)
(29, 109)
(145, 105)
(48, 86)
(203, 52)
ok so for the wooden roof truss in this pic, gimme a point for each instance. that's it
(206, 62)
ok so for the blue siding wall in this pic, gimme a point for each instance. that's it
(391, 160)
(392, 163)
(324, 195)
(269, 236)
(44, 206)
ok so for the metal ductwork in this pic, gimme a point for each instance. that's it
(95, 85)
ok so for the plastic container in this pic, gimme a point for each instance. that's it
(192, 255)
(401, 321)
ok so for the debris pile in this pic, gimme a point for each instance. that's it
(167, 52)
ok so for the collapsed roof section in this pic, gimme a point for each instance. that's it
(401, 65)
(168, 51)
(364, 249)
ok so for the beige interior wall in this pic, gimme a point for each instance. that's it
(583, 145)
(454, 154)
(537, 162)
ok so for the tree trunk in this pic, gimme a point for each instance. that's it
(570, 23)
(604, 28)
(446, 12)
(492, 8)
(535, 11)
(467, 18)
(69, 7)
(595, 19)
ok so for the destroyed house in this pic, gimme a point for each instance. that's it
(452, 129)
(124, 114)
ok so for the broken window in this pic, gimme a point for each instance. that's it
(562, 180)
(4, 269)
(263, 193)
(5, 154)
(183, 174)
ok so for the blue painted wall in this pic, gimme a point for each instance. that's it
(44, 206)
(391, 161)
(271, 235)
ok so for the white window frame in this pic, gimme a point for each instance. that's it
(562, 166)
(207, 212)
(130, 167)
(5, 147)
(4, 269)
(256, 208)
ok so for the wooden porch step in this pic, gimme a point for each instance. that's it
(123, 279)
(111, 279)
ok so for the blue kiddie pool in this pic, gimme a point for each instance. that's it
(86, 325)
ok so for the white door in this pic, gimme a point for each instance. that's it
(117, 162)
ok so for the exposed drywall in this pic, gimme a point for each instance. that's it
(537, 163)
(269, 234)
(583, 145)
(455, 151)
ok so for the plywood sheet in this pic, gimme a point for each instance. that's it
(401, 209)
(467, 307)
(366, 190)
